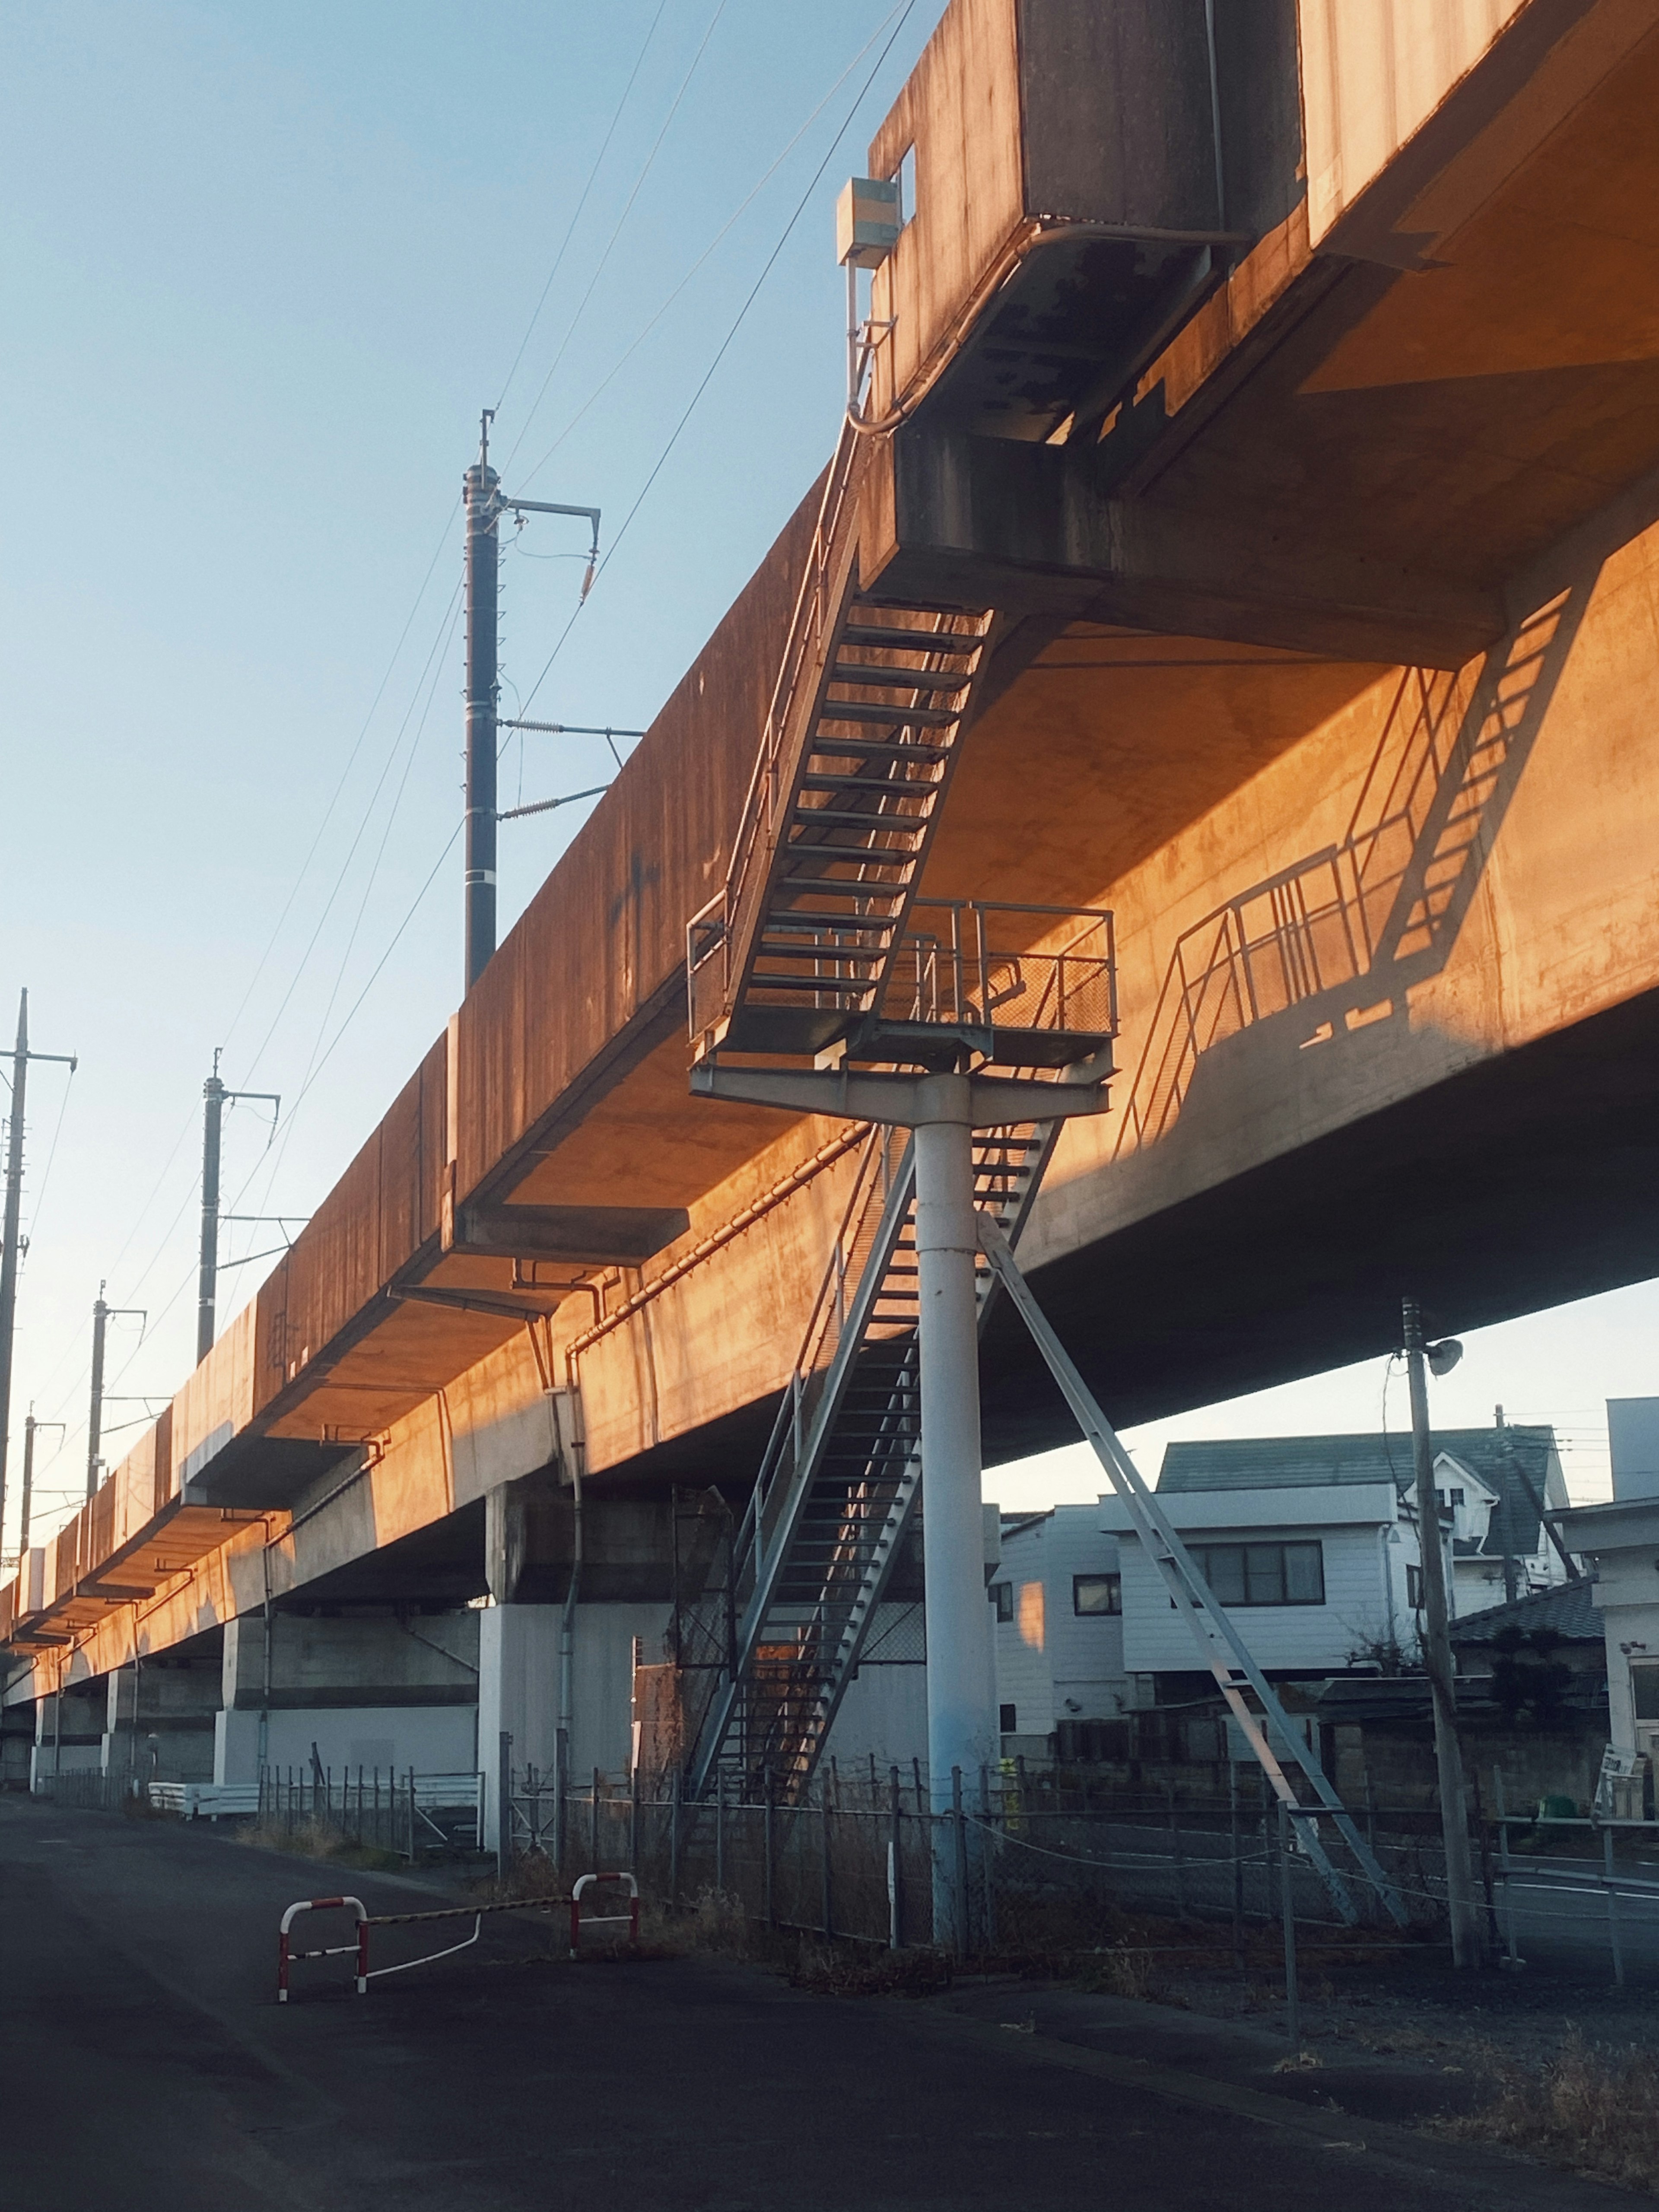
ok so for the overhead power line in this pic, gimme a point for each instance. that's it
(726, 343)
(627, 208)
(741, 208)
(570, 227)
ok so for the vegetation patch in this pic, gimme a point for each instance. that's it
(1592, 2108)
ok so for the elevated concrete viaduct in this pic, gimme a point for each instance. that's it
(1305, 442)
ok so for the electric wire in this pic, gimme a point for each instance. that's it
(627, 208)
(570, 227)
(742, 209)
(281, 1152)
(725, 344)
(321, 1059)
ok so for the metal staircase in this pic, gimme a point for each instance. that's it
(835, 1490)
(798, 950)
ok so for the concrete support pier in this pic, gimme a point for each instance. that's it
(367, 1688)
(961, 1711)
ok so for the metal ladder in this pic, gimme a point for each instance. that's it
(836, 1490)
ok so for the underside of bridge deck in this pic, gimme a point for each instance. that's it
(1325, 655)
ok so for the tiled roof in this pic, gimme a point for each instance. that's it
(1318, 1462)
(1568, 1609)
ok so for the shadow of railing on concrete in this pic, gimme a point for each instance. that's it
(1355, 923)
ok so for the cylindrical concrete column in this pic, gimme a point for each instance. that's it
(960, 1734)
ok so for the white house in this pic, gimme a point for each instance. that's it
(1312, 1541)
(1059, 1624)
(1620, 1542)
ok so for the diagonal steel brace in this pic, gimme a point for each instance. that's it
(1224, 1649)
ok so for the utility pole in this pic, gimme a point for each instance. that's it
(101, 1316)
(1466, 1947)
(31, 1429)
(216, 1096)
(1506, 1508)
(10, 1237)
(481, 491)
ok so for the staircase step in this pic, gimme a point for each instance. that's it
(850, 991)
(869, 818)
(805, 918)
(867, 710)
(911, 641)
(874, 676)
(824, 747)
(916, 783)
(849, 886)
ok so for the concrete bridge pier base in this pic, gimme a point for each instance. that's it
(69, 1731)
(381, 1687)
(518, 1696)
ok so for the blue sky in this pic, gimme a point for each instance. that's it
(263, 268)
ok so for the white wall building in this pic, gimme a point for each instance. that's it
(1312, 1542)
(1620, 1541)
(1059, 1624)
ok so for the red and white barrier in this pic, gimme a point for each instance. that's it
(365, 1974)
(603, 1919)
(286, 1954)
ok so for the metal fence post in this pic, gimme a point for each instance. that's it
(1234, 1841)
(1614, 1932)
(674, 1842)
(987, 1859)
(1292, 1994)
(823, 1817)
(1505, 1868)
(593, 1826)
(1175, 1854)
(960, 1938)
(769, 1848)
(720, 1828)
(896, 1870)
(634, 1821)
(411, 1816)
(504, 1807)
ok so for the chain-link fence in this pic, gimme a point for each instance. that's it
(1046, 1869)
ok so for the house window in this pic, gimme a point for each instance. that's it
(1263, 1574)
(1454, 1498)
(1006, 1717)
(1644, 1691)
(1002, 1596)
(1097, 1594)
(1414, 1587)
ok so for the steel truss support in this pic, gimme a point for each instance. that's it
(1223, 1648)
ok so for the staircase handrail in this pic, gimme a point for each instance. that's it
(767, 1552)
(757, 821)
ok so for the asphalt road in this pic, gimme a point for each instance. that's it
(145, 2063)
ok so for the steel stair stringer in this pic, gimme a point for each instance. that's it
(766, 1552)
(837, 1531)
(1038, 1149)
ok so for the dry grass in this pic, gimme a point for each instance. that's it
(317, 1839)
(1589, 2108)
(843, 1970)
